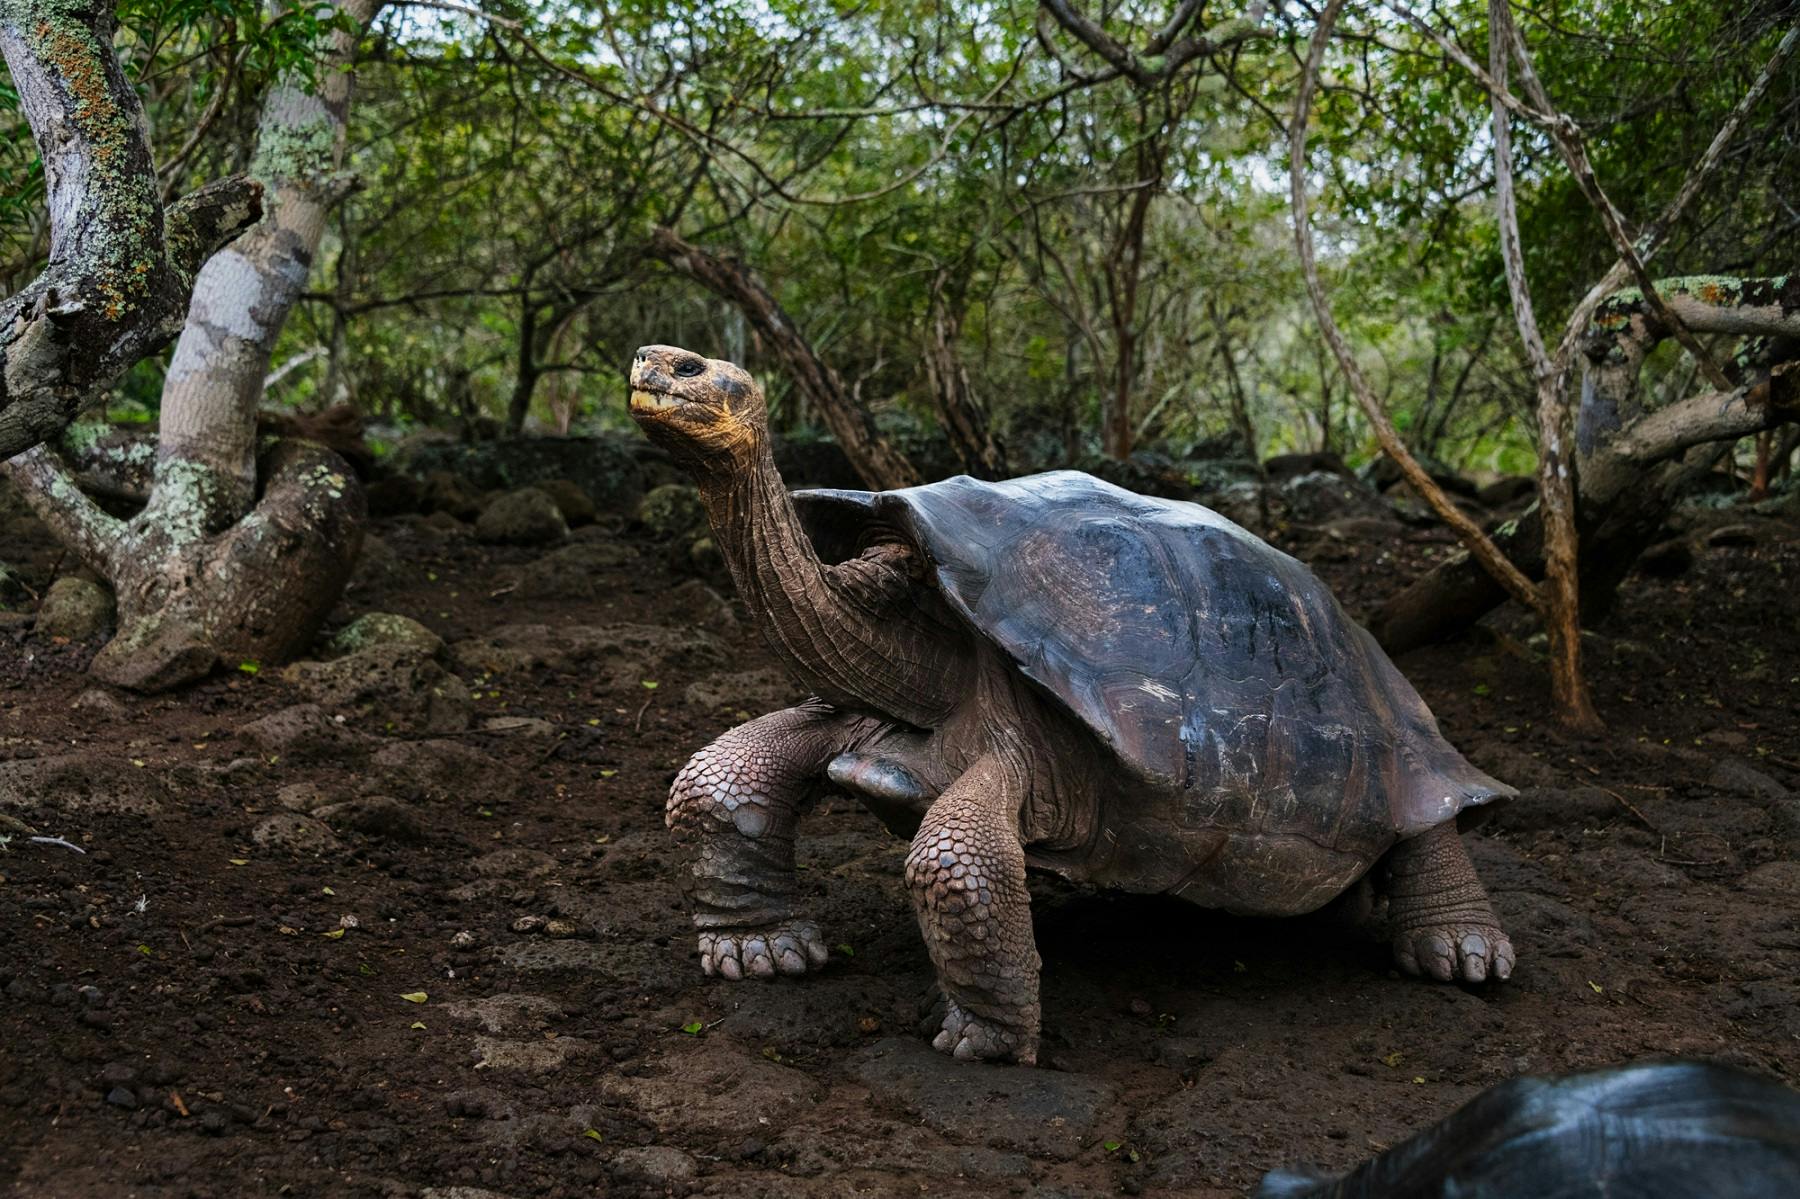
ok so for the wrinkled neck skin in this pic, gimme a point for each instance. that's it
(862, 634)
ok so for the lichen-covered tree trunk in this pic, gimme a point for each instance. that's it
(120, 267)
(240, 550)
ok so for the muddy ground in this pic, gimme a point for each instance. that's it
(217, 998)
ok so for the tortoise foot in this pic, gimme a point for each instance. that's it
(1461, 952)
(786, 947)
(970, 1038)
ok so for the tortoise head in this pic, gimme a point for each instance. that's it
(699, 409)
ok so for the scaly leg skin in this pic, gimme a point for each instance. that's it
(966, 873)
(1442, 923)
(742, 795)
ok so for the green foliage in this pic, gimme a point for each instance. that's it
(895, 172)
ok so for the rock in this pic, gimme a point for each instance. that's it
(122, 1097)
(1734, 776)
(376, 816)
(12, 590)
(529, 1057)
(753, 691)
(384, 628)
(579, 571)
(160, 652)
(302, 797)
(305, 732)
(673, 511)
(524, 517)
(1041, 1112)
(1321, 497)
(658, 1165)
(705, 560)
(519, 726)
(694, 603)
(294, 832)
(507, 1015)
(574, 503)
(437, 770)
(1283, 467)
(1667, 559)
(81, 782)
(712, 1089)
(98, 701)
(606, 467)
(630, 652)
(443, 524)
(444, 492)
(377, 564)
(399, 685)
(75, 608)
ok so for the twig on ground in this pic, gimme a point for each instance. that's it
(225, 922)
(58, 841)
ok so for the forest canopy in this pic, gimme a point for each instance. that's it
(1089, 235)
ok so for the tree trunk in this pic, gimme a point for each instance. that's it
(965, 425)
(201, 574)
(872, 456)
(121, 268)
(1633, 461)
(525, 379)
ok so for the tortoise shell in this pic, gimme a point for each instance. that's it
(1218, 669)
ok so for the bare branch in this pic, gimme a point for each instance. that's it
(1468, 532)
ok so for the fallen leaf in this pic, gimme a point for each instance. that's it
(591, 1135)
(418, 1024)
(1598, 989)
(692, 1028)
(238, 861)
(1392, 1059)
(649, 684)
(414, 997)
(333, 935)
(250, 667)
(327, 891)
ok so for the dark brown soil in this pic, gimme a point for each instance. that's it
(229, 1040)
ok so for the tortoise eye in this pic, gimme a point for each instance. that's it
(690, 368)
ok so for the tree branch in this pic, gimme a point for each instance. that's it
(120, 271)
(1480, 546)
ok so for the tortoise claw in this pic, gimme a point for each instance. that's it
(788, 947)
(1461, 953)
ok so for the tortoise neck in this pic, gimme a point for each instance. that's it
(853, 633)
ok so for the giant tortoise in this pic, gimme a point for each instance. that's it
(1050, 672)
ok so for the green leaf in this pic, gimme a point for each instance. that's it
(649, 684)
(592, 1135)
(693, 1028)
(250, 667)
(414, 996)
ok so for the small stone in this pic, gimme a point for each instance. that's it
(574, 503)
(672, 511)
(561, 928)
(524, 517)
(1732, 536)
(658, 1165)
(75, 608)
(98, 701)
(529, 924)
(1140, 1007)
(122, 1097)
(464, 940)
(384, 628)
(376, 816)
(295, 832)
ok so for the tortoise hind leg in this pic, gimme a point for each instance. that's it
(743, 795)
(966, 873)
(1443, 925)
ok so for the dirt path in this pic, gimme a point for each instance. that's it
(249, 1030)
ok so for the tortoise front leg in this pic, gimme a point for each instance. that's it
(966, 873)
(743, 795)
